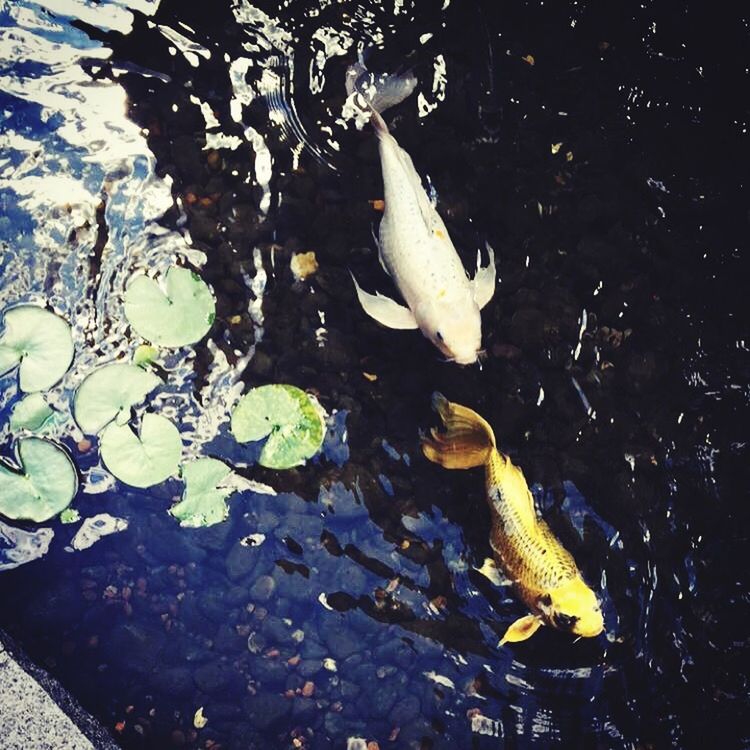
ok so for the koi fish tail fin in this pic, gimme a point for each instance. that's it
(468, 440)
(376, 93)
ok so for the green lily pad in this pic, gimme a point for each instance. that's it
(45, 484)
(204, 499)
(208, 484)
(109, 393)
(287, 416)
(142, 460)
(39, 343)
(145, 355)
(177, 315)
(30, 413)
(70, 515)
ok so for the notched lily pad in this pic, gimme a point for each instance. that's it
(208, 484)
(43, 486)
(289, 418)
(39, 343)
(109, 393)
(178, 314)
(204, 498)
(142, 460)
(31, 413)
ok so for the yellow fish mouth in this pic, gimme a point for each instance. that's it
(590, 630)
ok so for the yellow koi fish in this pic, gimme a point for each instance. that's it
(543, 571)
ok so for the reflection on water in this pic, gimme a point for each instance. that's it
(353, 603)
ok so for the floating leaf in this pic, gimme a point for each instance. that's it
(208, 483)
(70, 515)
(287, 416)
(109, 393)
(145, 355)
(180, 314)
(142, 460)
(18, 546)
(30, 413)
(45, 484)
(37, 341)
(204, 499)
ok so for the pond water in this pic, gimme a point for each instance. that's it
(592, 149)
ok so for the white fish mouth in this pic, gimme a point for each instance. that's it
(470, 359)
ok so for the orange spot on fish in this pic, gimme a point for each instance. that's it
(440, 234)
(378, 205)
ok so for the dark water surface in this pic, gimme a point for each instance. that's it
(601, 150)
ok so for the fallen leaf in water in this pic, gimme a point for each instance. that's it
(199, 720)
(303, 265)
(569, 156)
(555, 147)
(528, 59)
(120, 726)
(370, 376)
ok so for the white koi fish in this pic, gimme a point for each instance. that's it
(414, 246)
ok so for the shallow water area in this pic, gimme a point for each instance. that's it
(589, 147)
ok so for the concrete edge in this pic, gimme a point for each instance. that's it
(89, 727)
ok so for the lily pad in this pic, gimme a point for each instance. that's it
(208, 484)
(45, 484)
(204, 499)
(109, 393)
(179, 314)
(30, 413)
(142, 460)
(70, 515)
(145, 355)
(39, 343)
(287, 416)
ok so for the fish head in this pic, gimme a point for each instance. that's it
(454, 328)
(574, 608)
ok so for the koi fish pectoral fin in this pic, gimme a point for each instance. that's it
(521, 629)
(385, 310)
(485, 280)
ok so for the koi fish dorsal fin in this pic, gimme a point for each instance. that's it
(507, 484)
(385, 310)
